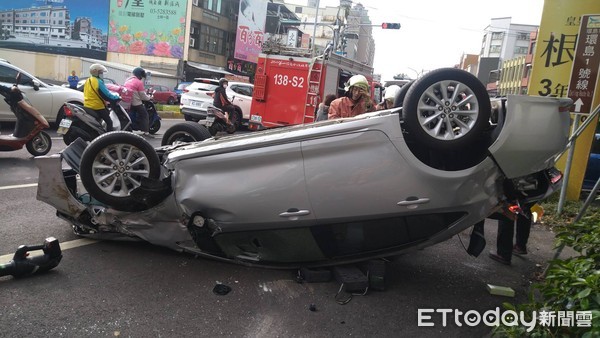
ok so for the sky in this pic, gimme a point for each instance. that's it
(434, 33)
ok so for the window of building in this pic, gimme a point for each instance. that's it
(212, 5)
(521, 50)
(209, 39)
(495, 49)
(523, 36)
(298, 10)
(43, 14)
(497, 35)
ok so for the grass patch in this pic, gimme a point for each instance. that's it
(167, 107)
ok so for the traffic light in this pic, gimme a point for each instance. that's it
(390, 25)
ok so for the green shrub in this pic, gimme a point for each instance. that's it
(571, 284)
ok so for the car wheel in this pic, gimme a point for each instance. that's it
(446, 109)
(114, 164)
(40, 144)
(401, 95)
(171, 101)
(185, 132)
(154, 127)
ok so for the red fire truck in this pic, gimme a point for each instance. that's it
(288, 89)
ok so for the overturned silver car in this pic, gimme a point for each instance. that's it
(324, 193)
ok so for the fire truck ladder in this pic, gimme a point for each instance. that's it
(314, 88)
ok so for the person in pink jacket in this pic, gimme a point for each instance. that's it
(135, 84)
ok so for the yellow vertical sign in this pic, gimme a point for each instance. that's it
(552, 67)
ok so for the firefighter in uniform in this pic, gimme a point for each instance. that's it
(388, 97)
(357, 100)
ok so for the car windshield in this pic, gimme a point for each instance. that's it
(182, 86)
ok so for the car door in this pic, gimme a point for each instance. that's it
(246, 188)
(41, 99)
(242, 97)
(365, 195)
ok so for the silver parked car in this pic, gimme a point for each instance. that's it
(324, 193)
(47, 98)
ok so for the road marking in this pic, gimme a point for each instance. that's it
(18, 186)
(63, 246)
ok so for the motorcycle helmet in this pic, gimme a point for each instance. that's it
(222, 81)
(97, 68)
(139, 72)
(357, 81)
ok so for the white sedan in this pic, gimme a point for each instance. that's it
(45, 97)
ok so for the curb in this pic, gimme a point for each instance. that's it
(170, 115)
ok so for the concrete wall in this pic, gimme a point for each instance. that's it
(45, 66)
(56, 68)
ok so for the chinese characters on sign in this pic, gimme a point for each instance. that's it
(250, 30)
(147, 27)
(586, 63)
(557, 51)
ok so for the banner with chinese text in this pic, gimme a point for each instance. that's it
(147, 27)
(250, 30)
(552, 70)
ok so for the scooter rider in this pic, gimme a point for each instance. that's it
(135, 84)
(220, 100)
(95, 94)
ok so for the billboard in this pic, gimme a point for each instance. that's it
(250, 30)
(65, 27)
(147, 27)
(553, 64)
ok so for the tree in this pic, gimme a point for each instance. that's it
(401, 76)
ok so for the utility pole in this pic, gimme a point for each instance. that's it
(314, 37)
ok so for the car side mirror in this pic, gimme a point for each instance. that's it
(36, 85)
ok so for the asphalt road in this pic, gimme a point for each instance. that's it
(133, 289)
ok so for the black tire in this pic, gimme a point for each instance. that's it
(401, 94)
(171, 101)
(40, 144)
(236, 120)
(112, 184)
(185, 132)
(154, 127)
(446, 109)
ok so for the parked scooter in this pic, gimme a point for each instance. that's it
(87, 124)
(29, 126)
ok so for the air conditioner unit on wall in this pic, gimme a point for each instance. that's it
(195, 2)
(193, 30)
(192, 43)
